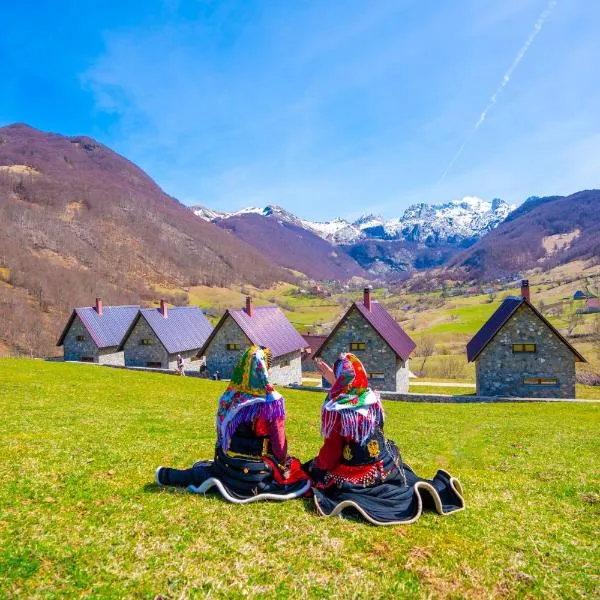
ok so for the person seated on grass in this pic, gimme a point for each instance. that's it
(357, 468)
(251, 460)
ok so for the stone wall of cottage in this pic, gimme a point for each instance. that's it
(75, 349)
(86, 349)
(218, 357)
(286, 369)
(138, 355)
(500, 372)
(402, 375)
(111, 356)
(378, 357)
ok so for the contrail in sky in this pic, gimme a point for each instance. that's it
(513, 67)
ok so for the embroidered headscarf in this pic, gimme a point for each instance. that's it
(248, 396)
(357, 405)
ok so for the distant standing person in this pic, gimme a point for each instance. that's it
(180, 370)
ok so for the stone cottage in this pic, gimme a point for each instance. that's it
(157, 335)
(260, 325)
(370, 332)
(518, 352)
(94, 333)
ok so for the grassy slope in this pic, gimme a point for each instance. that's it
(79, 515)
(303, 312)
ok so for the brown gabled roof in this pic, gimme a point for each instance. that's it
(384, 324)
(313, 342)
(500, 317)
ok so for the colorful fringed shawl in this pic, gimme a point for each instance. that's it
(248, 396)
(352, 401)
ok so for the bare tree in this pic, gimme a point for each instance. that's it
(572, 318)
(425, 349)
(596, 334)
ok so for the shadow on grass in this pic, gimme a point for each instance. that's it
(153, 488)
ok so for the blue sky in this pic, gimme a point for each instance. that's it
(329, 108)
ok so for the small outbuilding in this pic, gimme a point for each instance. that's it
(262, 326)
(518, 352)
(94, 333)
(313, 343)
(370, 332)
(157, 335)
(592, 305)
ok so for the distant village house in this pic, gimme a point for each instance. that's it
(157, 335)
(94, 333)
(370, 332)
(518, 352)
(260, 325)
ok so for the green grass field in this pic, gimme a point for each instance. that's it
(80, 515)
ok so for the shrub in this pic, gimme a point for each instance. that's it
(588, 378)
(452, 367)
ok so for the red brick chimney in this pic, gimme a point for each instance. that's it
(249, 306)
(99, 307)
(164, 311)
(367, 298)
(525, 289)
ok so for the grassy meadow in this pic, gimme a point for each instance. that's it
(80, 515)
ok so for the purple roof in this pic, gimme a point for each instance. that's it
(184, 328)
(495, 323)
(385, 325)
(267, 326)
(108, 329)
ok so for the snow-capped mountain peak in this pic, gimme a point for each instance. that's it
(452, 222)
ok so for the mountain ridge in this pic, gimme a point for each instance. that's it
(462, 219)
(426, 235)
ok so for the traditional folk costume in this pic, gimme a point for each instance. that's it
(251, 461)
(358, 468)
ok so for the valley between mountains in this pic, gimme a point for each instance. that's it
(80, 221)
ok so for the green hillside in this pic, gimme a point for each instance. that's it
(80, 515)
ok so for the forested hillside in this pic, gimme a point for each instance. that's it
(78, 220)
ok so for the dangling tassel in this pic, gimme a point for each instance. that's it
(358, 427)
(268, 410)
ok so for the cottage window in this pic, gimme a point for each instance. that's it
(233, 346)
(87, 359)
(517, 348)
(80, 338)
(285, 363)
(358, 346)
(152, 364)
(376, 376)
(540, 381)
(145, 342)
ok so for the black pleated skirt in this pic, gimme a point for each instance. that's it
(399, 498)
